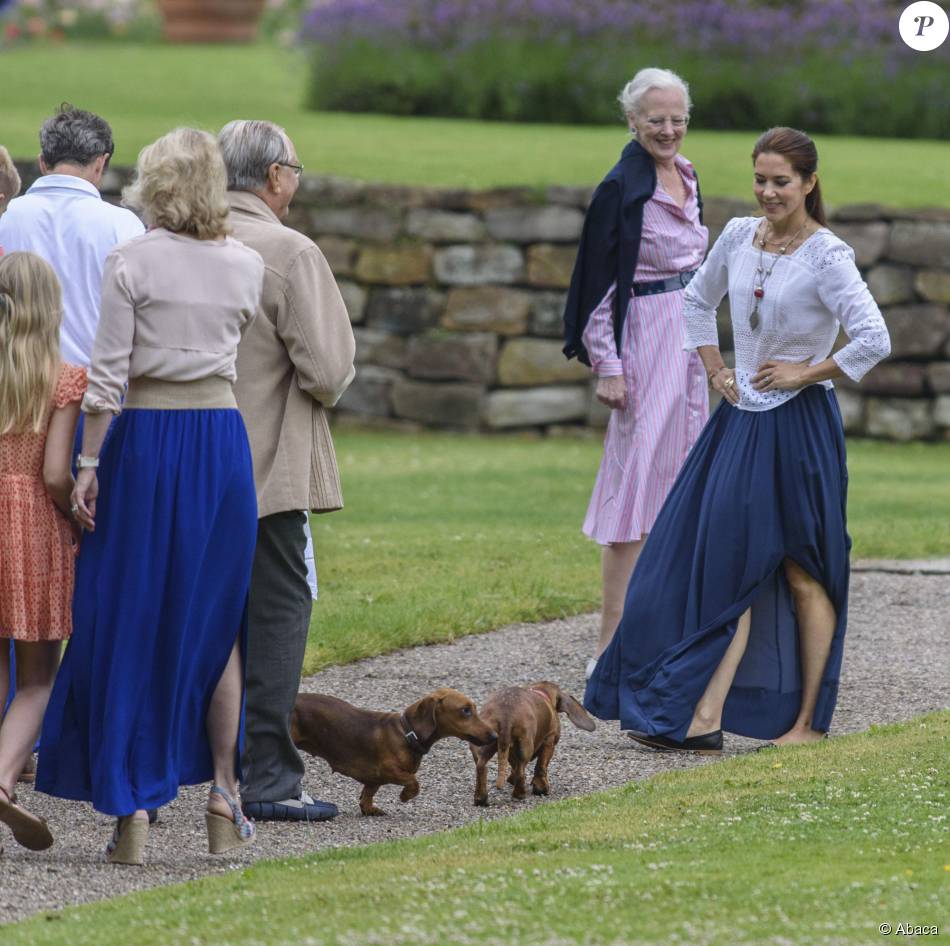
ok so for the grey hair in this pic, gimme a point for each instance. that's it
(249, 149)
(75, 136)
(644, 81)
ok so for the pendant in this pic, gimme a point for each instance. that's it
(758, 292)
(754, 318)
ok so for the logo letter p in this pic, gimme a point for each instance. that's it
(924, 22)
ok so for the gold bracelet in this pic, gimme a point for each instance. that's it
(716, 372)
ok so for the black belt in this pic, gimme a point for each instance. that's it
(663, 285)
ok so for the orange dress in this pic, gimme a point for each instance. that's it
(37, 544)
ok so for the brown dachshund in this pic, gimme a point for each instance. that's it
(383, 748)
(528, 727)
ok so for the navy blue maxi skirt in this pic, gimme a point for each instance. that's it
(757, 488)
(161, 597)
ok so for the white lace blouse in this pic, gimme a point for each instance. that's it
(810, 292)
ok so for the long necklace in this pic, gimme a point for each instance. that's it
(762, 274)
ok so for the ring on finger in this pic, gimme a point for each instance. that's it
(74, 508)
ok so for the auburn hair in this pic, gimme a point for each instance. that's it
(800, 152)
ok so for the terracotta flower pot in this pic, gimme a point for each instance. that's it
(211, 21)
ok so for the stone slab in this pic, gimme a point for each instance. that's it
(942, 411)
(370, 391)
(852, 408)
(404, 311)
(938, 376)
(442, 226)
(891, 284)
(487, 309)
(354, 297)
(920, 243)
(934, 285)
(868, 240)
(478, 265)
(535, 224)
(444, 356)
(532, 407)
(340, 254)
(398, 265)
(547, 314)
(381, 348)
(525, 362)
(442, 405)
(373, 224)
(901, 419)
(896, 378)
(917, 331)
(550, 266)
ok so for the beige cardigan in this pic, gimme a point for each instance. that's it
(173, 309)
(295, 359)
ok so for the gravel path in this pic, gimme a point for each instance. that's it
(897, 665)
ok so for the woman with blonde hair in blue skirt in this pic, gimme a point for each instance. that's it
(736, 614)
(149, 694)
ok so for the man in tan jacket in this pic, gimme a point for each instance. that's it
(295, 361)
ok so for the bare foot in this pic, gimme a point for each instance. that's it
(700, 727)
(798, 736)
(217, 805)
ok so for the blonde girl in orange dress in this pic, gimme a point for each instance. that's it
(39, 409)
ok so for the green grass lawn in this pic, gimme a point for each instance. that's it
(444, 535)
(146, 90)
(813, 845)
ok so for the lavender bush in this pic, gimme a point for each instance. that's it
(834, 66)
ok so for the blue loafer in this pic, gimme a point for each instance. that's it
(302, 808)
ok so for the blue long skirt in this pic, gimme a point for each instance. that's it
(757, 488)
(161, 597)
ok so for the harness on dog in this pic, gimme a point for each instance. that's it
(415, 743)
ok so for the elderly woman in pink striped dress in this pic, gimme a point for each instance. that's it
(644, 234)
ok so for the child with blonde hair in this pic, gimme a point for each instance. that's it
(9, 180)
(39, 410)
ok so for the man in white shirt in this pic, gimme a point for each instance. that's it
(64, 219)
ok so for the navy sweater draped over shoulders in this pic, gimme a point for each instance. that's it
(610, 246)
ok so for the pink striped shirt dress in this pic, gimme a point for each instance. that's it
(667, 401)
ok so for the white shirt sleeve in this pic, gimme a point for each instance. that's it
(127, 227)
(846, 294)
(706, 290)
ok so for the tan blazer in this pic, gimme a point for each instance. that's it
(295, 360)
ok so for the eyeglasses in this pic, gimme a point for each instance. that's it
(296, 168)
(677, 121)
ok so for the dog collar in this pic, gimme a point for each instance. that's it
(541, 693)
(415, 743)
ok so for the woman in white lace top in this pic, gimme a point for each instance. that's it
(735, 619)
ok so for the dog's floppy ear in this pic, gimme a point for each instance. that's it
(575, 712)
(435, 701)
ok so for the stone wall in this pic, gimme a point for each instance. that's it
(456, 299)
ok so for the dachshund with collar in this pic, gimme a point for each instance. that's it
(383, 748)
(528, 726)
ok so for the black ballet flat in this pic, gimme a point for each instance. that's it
(709, 743)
